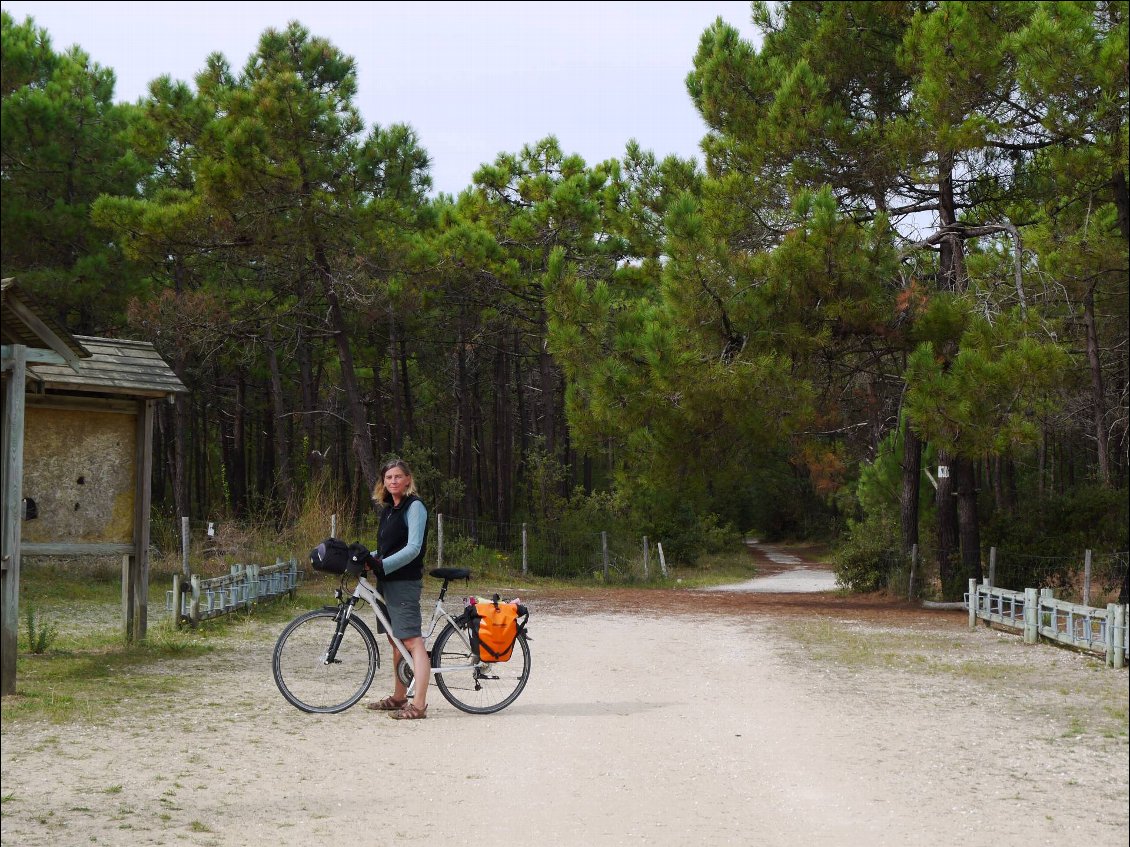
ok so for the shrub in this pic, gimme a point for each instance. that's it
(863, 562)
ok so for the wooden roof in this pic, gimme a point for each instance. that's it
(24, 321)
(82, 363)
(115, 366)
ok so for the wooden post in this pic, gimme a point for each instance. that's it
(992, 567)
(662, 561)
(333, 526)
(972, 603)
(1119, 628)
(604, 552)
(913, 571)
(127, 598)
(139, 572)
(1031, 616)
(646, 556)
(176, 600)
(184, 543)
(1087, 578)
(525, 550)
(439, 540)
(13, 477)
(1112, 633)
(194, 603)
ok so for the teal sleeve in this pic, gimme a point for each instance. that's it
(417, 520)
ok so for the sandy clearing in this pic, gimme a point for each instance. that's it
(709, 727)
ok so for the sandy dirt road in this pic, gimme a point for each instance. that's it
(652, 717)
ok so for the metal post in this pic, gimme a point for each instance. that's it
(972, 603)
(604, 552)
(1087, 578)
(184, 539)
(992, 567)
(439, 540)
(333, 526)
(1031, 616)
(646, 556)
(525, 550)
(662, 561)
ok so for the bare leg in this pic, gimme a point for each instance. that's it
(421, 671)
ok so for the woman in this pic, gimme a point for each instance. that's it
(399, 563)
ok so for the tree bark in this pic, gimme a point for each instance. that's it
(394, 375)
(503, 439)
(947, 520)
(1098, 396)
(911, 476)
(284, 482)
(308, 390)
(965, 489)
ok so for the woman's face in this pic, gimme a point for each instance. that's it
(397, 482)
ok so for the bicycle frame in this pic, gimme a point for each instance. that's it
(368, 592)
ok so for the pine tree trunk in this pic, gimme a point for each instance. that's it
(1098, 397)
(362, 443)
(908, 496)
(947, 520)
(308, 391)
(965, 489)
(284, 481)
(406, 387)
(503, 439)
(235, 451)
(394, 375)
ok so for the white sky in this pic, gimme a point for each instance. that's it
(473, 78)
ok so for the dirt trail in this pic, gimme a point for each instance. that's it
(694, 718)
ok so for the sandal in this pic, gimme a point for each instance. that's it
(388, 704)
(409, 712)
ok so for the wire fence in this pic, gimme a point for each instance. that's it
(544, 549)
(1090, 578)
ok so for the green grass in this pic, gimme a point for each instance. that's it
(89, 672)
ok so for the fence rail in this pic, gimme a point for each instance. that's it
(1038, 613)
(200, 599)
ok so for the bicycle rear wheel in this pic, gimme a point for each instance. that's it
(304, 677)
(482, 688)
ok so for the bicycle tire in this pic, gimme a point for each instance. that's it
(485, 688)
(302, 675)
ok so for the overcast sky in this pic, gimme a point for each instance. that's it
(473, 78)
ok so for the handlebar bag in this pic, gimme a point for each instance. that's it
(337, 557)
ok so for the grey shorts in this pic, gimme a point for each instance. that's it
(402, 606)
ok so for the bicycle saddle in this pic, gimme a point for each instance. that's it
(451, 573)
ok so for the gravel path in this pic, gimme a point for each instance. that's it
(691, 719)
(785, 572)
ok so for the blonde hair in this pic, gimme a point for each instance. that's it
(382, 497)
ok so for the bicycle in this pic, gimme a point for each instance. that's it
(325, 660)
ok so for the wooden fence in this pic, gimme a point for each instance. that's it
(246, 585)
(1038, 614)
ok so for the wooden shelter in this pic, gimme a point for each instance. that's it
(78, 453)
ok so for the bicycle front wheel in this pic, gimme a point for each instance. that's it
(483, 687)
(305, 677)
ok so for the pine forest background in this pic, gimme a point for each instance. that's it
(906, 247)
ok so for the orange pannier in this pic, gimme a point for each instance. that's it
(494, 628)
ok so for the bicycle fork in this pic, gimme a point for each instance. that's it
(341, 620)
